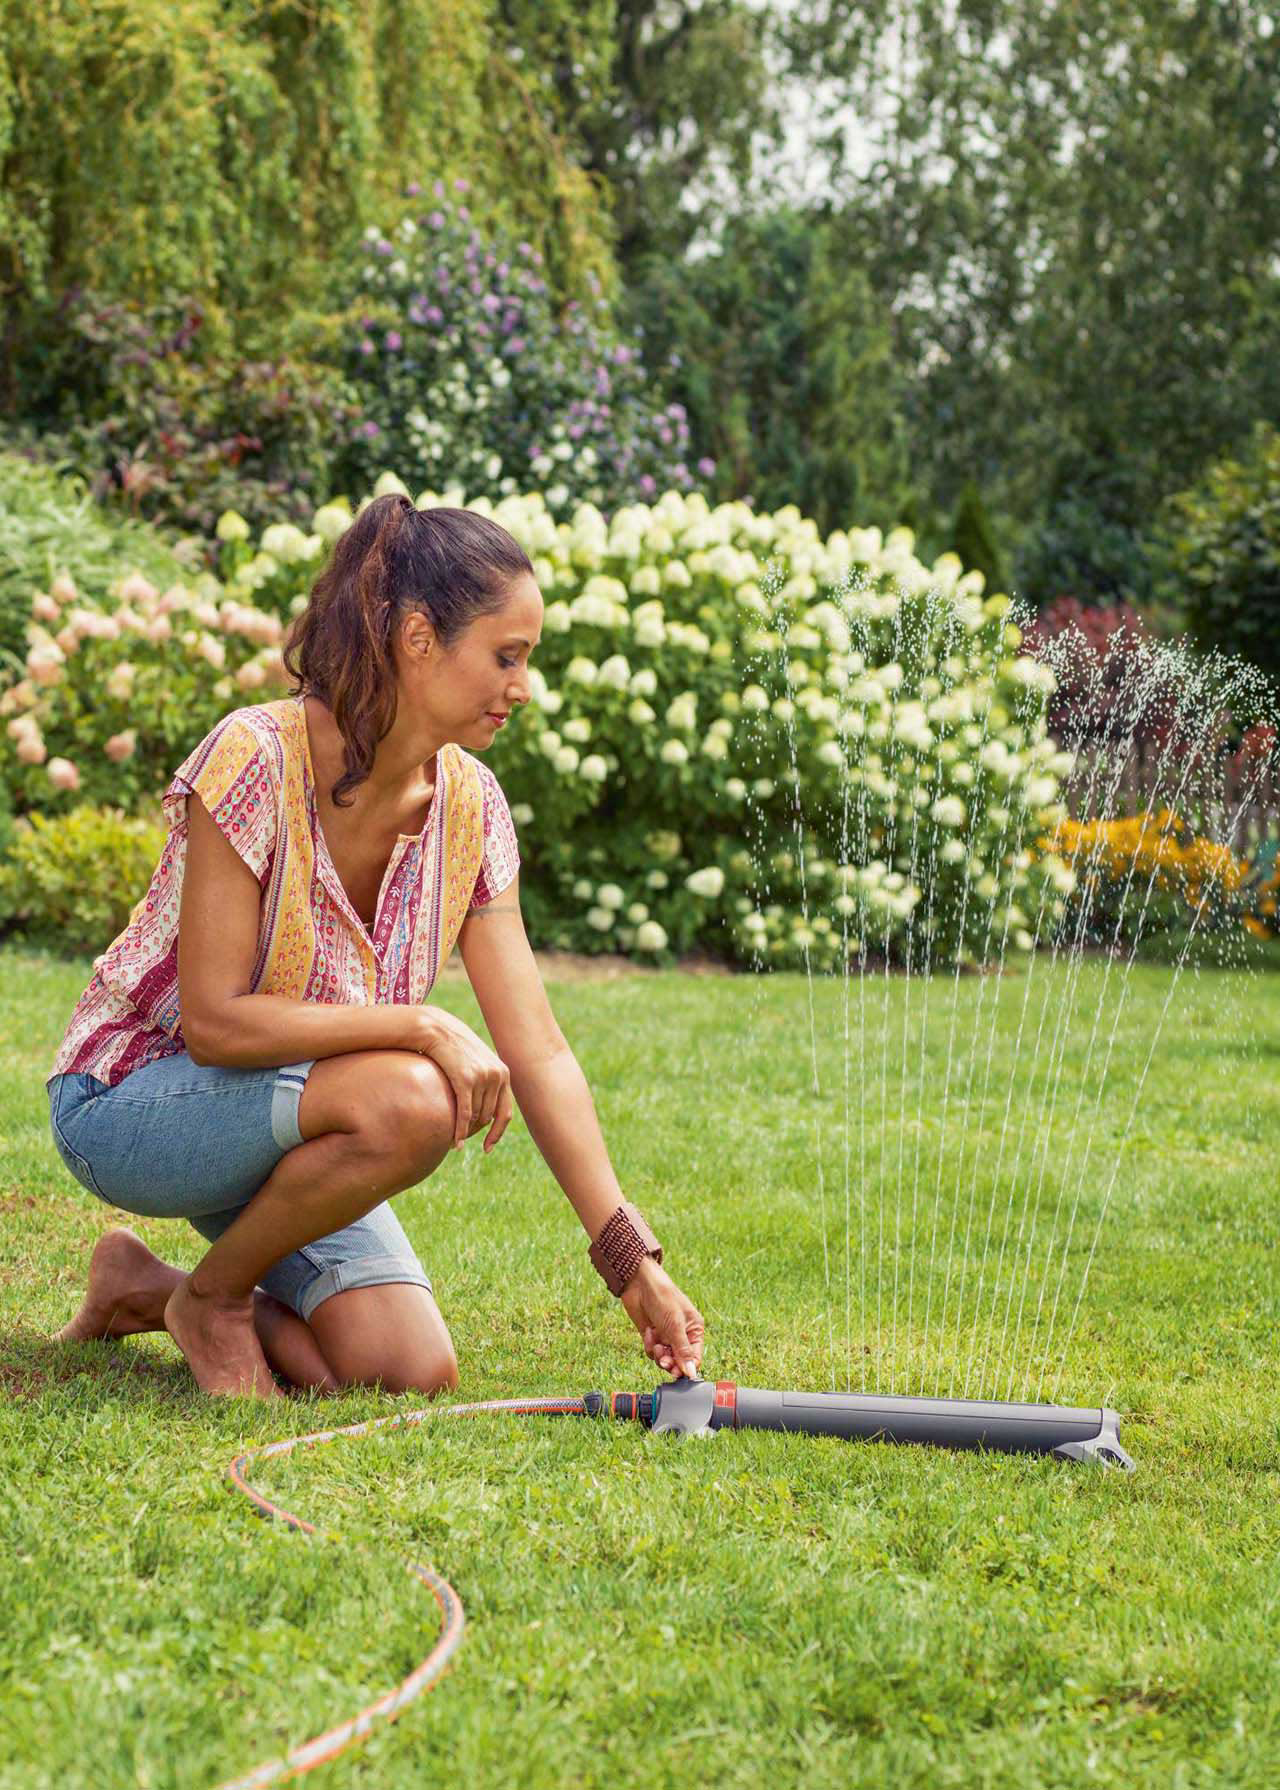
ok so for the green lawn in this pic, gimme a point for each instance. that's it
(745, 1610)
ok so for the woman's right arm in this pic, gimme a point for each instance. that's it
(224, 1024)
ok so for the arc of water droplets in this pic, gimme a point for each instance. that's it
(1065, 1009)
(1033, 959)
(1241, 809)
(1099, 1007)
(1190, 705)
(946, 1082)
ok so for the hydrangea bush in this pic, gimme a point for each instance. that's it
(742, 738)
(466, 369)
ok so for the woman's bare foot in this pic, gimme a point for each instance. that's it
(219, 1342)
(128, 1287)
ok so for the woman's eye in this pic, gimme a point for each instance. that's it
(508, 663)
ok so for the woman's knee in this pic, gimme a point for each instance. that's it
(401, 1103)
(391, 1336)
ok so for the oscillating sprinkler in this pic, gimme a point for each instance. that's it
(702, 1407)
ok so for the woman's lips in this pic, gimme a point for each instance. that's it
(498, 720)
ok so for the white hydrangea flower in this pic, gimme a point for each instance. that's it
(610, 895)
(566, 760)
(578, 730)
(683, 711)
(584, 889)
(637, 913)
(521, 814)
(754, 699)
(762, 787)
(952, 851)
(735, 789)
(650, 937)
(949, 811)
(708, 883)
(549, 742)
(657, 879)
(581, 671)
(645, 682)
(640, 714)
(594, 768)
(600, 918)
(232, 526)
(615, 673)
(674, 752)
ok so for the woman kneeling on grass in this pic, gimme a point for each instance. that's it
(253, 1053)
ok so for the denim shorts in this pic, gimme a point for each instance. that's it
(177, 1139)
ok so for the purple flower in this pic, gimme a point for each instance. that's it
(463, 213)
(621, 355)
(392, 340)
(461, 186)
(476, 288)
(524, 248)
(676, 410)
(576, 430)
(412, 190)
(369, 429)
(436, 220)
(648, 484)
(482, 329)
(434, 314)
(385, 248)
(504, 268)
(438, 189)
(366, 345)
(706, 467)
(517, 344)
(665, 437)
(491, 303)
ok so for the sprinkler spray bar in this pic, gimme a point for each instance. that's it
(701, 1407)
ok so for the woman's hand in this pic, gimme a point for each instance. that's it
(480, 1080)
(669, 1325)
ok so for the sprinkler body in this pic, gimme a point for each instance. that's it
(701, 1407)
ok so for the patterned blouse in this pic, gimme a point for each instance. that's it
(253, 773)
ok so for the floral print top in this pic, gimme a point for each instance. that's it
(253, 773)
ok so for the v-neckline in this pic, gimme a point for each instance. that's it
(367, 931)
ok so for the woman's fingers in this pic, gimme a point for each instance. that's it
(501, 1117)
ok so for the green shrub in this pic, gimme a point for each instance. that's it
(50, 526)
(71, 881)
(162, 431)
(1218, 547)
(468, 368)
(741, 737)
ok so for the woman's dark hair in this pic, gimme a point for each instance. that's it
(451, 565)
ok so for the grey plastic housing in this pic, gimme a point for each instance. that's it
(688, 1407)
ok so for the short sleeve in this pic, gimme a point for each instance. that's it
(501, 855)
(235, 775)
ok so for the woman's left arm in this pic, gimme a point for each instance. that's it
(552, 1093)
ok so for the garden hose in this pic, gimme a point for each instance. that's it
(682, 1407)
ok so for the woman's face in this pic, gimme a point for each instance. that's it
(471, 689)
